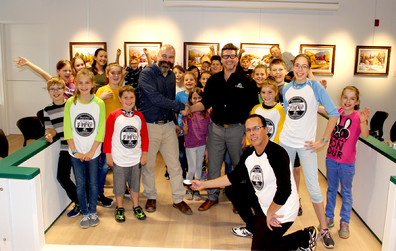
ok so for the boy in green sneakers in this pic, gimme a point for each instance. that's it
(126, 145)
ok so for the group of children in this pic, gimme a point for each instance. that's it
(110, 116)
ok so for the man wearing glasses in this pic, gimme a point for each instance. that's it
(231, 95)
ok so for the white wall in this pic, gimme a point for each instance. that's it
(135, 20)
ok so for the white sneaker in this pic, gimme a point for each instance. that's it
(241, 232)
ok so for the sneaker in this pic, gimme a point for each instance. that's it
(329, 222)
(84, 223)
(189, 194)
(197, 196)
(300, 211)
(242, 232)
(127, 194)
(140, 215)
(328, 241)
(313, 237)
(344, 230)
(119, 214)
(104, 201)
(93, 220)
(75, 211)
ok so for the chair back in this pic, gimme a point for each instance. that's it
(3, 144)
(393, 132)
(31, 128)
(40, 115)
(377, 124)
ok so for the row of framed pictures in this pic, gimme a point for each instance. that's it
(369, 60)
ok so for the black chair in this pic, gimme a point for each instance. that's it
(377, 124)
(3, 145)
(31, 128)
(40, 115)
(393, 132)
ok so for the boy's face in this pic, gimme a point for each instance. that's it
(134, 64)
(245, 64)
(56, 92)
(128, 100)
(279, 72)
(205, 67)
(204, 78)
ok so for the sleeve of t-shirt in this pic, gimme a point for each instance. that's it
(323, 97)
(67, 127)
(47, 121)
(99, 92)
(144, 133)
(109, 132)
(102, 121)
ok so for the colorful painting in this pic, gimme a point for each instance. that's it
(322, 56)
(86, 50)
(196, 53)
(372, 60)
(136, 49)
(259, 53)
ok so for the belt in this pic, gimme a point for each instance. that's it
(229, 125)
(161, 122)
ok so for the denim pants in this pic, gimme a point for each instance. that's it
(63, 176)
(102, 172)
(339, 173)
(86, 171)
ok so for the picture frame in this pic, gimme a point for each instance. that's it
(136, 48)
(260, 53)
(197, 52)
(372, 60)
(322, 56)
(86, 50)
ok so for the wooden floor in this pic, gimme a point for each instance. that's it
(168, 228)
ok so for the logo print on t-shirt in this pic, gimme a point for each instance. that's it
(84, 124)
(296, 107)
(129, 137)
(270, 126)
(256, 176)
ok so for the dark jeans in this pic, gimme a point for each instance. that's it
(63, 175)
(182, 156)
(102, 172)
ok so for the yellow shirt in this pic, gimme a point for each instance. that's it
(112, 103)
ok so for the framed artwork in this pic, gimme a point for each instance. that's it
(136, 49)
(260, 53)
(372, 60)
(86, 50)
(196, 53)
(322, 56)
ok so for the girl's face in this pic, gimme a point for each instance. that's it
(128, 100)
(215, 67)
(259, 75)
(205, 67)
(301, 69)
(195, 98)
(349, 100)
(114, 75)
(178, 74)
(268, 94)
(204, 78)
(65, 73)
(101, 58)
(189, 82)
(195, 71)
(79, 64)
(84, 85)
(56, 92)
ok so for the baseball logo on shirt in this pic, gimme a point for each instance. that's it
(129, 137)
(256, 176)
(84, 124)
(296, 107)
(270, 126)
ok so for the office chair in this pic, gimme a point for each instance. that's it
(40, 115)
(31, 128)
(377, 124)
(393, 132)
(3, 145)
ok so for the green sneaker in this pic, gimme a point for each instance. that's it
(329, 222)
(119, 214)
(344, 230)
(140, 215)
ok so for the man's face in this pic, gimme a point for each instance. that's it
(229, 59)
(166, 58)
(276, 52)
(255, 132)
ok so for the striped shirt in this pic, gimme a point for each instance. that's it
(53, 118)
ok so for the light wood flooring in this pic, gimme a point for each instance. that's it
(168, 228)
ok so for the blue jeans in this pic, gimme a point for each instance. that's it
(86, 171)
(227, 163)
(102, 172)
(309, 163)
(339, 172)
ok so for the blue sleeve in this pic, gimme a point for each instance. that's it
(323, 97)
(285, 89)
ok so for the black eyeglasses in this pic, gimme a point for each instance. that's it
(232, 56)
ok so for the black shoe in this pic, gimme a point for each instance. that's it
(104, 201)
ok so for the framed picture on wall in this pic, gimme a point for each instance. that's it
(136, 49)
(372, 60)
(195, 53)
(259, 53)
(322, 56)
(86, 50)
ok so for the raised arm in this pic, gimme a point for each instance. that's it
(24, 62)
(148, 55)
(118, 54)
